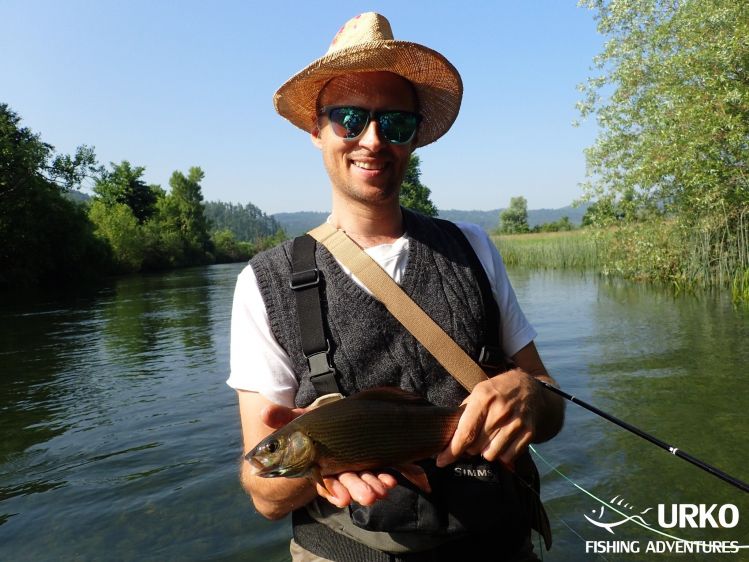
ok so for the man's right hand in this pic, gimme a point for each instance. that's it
(275, 497)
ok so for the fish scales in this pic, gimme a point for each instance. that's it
(375, 428)
(352, 433)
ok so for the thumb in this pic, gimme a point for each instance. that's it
(276, 416)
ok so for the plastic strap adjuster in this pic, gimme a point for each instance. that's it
(322, 375)
(491, 357)
(319, 363)
(304, 279)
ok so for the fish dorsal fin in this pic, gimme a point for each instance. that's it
(390, 394)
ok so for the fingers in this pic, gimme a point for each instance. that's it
(516, 449)
(483, 417)
(364, 488)
(509, 442)
(335, 492)
(388, 480)
(465, 434)
(495, 423)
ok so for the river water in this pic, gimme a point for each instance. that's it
(119, 439)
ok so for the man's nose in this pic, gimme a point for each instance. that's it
(372, 137)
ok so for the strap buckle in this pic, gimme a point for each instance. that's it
(319, 362)
(492, 357)
(304, 279)
(322, 374)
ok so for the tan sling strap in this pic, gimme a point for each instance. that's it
(450, 355)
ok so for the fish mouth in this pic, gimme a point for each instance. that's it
(257, 468)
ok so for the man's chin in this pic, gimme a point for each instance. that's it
(374, 194)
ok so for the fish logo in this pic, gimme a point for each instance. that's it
(619, 507)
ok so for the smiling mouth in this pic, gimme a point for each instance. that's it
(373, 166)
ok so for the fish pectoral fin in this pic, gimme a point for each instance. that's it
(316, 478)
(416, 475)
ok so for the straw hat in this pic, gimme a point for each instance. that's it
(365, 44)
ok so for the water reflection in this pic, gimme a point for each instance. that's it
(119, 438)
(150, 317)
(673, 366)
(104, 446)
(680, 376)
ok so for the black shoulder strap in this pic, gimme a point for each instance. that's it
(305, 282)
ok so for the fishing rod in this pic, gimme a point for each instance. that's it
(743, 486)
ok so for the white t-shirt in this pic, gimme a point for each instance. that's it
(259, 363)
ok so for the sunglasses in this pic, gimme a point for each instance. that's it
(349, 123)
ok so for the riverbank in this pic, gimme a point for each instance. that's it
(660, 253)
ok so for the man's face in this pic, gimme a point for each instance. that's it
(367, 169)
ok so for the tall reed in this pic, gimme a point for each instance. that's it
(553, 250)
(712, 254)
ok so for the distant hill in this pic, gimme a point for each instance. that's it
(300, 222)
(247, 222)
(76, 196)
(489, 220)
(296, 224)
(541, 216)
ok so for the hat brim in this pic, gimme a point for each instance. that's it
(438, 85)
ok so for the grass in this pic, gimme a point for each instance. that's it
(575, 249)
(740, 287)
(703, 258)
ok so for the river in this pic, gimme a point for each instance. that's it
(119, 439)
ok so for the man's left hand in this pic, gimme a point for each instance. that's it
(499, 419)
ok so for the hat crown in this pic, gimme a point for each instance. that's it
(365, 43)
(364, 28)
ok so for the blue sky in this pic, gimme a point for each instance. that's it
(173, 84)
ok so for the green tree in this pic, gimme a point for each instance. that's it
(123, 185)
(228, 249)
(246, 222)
(674, 129)
(514, 219)
(184, 213)
(120, 228)
(603, 212)
(46, 239)
(414, 194)
(672, 101)
(562, 225)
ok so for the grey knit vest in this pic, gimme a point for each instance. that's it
(369, 347)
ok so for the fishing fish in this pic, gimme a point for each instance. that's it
(377, 428)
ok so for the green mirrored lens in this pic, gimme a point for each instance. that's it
(396, 127)
(348, 122)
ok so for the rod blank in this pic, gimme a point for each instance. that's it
(743, 486)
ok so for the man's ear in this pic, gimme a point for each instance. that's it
(314, 135)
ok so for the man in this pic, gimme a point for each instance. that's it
(367, 104)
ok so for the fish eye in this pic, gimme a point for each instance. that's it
(272, 446)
